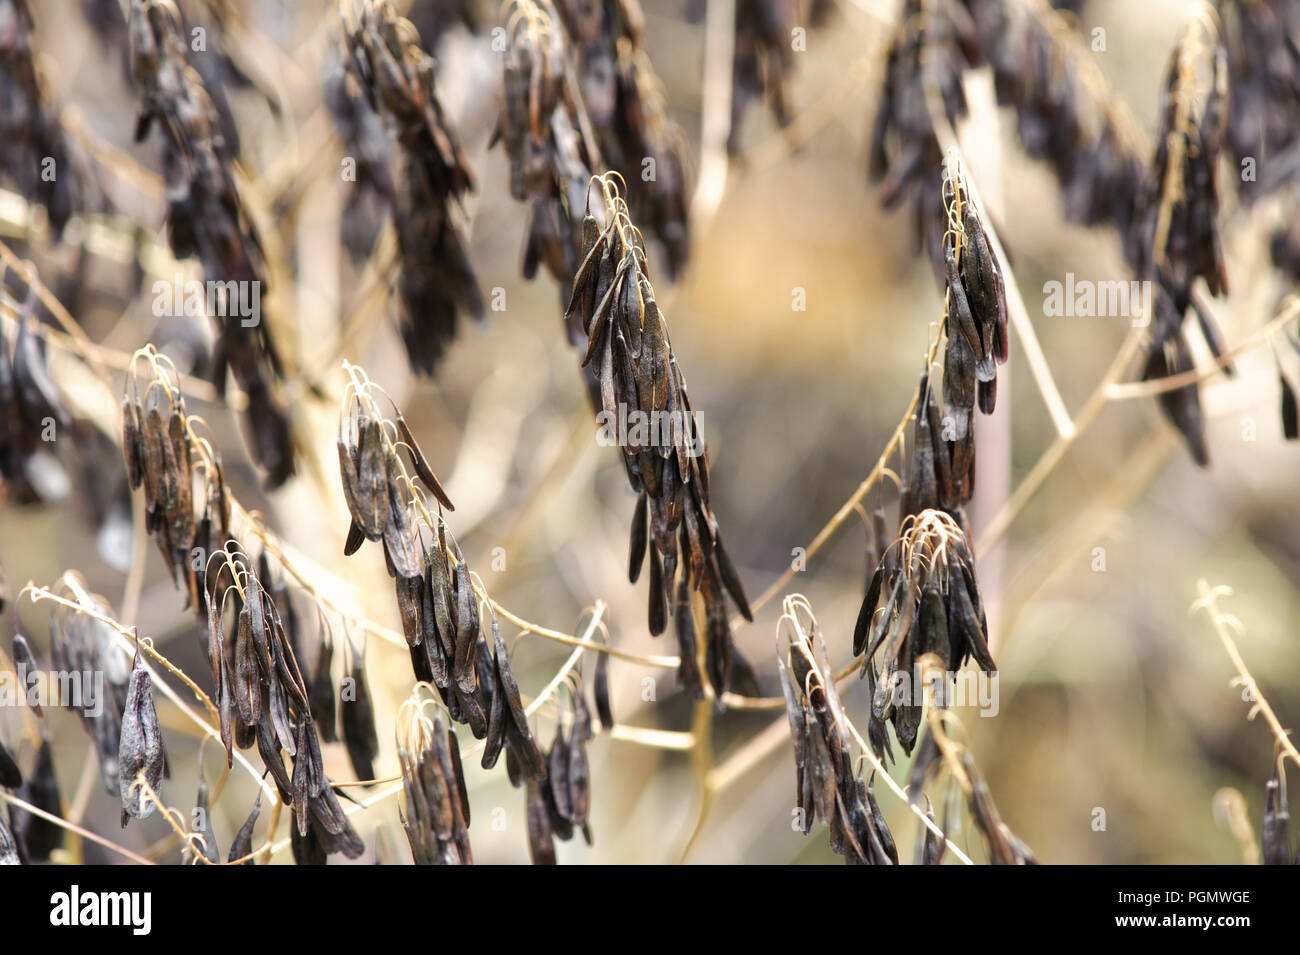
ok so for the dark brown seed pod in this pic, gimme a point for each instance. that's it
(243, 842)
(1290, 416)
(1276, 832)
(557, 777)
(140, 751)
(11, 776)
(426, 475)
(600, 692)
(203, 819)
(357, 720)
(373, 481)
(356, 537)
(28, 672)
(640, 529)
(400, 543)
(321, 694)
(131, 442)
(37, 836)
(467, 628)
(541, 847)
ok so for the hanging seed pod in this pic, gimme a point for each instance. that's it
(1276, 832)
(540, 845)
(1176, 238)
(627, 109)
(627, 344)
(203, 825)
(243, 843)
(38, 837)
(600, 692)
(395, 76)
(321, 696)
(207, 218)
(930, 850)
(827, 784)
(141, 748)
(435, 808)
(11, 776)
(357, 718)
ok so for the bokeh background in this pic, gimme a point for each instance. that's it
(1113, 696)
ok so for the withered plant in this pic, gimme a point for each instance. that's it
(207, 219)
(36, 154)
(626, 107)
(395, 77)
(283, 682)
(666, 460)
(828, 781)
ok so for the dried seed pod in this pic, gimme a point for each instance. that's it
(140, 752)
(933, 46)
(321, 696)
(827, 783)
(668, 469)
(11, 776)
(1276, 832)
(243, 842)
(357, 719)
(203, 820)
(540, 845)
(626, 107)
(600, 691)
(207, 218)
(36, 836)
(394, 78)
(1176, 237)
(35, 137)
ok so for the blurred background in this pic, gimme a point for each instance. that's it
(1112, 695)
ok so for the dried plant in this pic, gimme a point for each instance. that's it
(187, 505)
(81, 643)
(442, 611)
(1262, 43)
(367, 142)
(396, 79)
(1176, 238)
(547, 139)
(140, 749)
(625, 103)
(436, 810)
(1065, 115)
(923, 598)
(262, 700)
(975, 305)
(930, 49)
(46, 165)
(276, 627)
(206, 218)
(666, 460)
(37, 838)
(31, 409)
(940, 750)
(828, 784)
